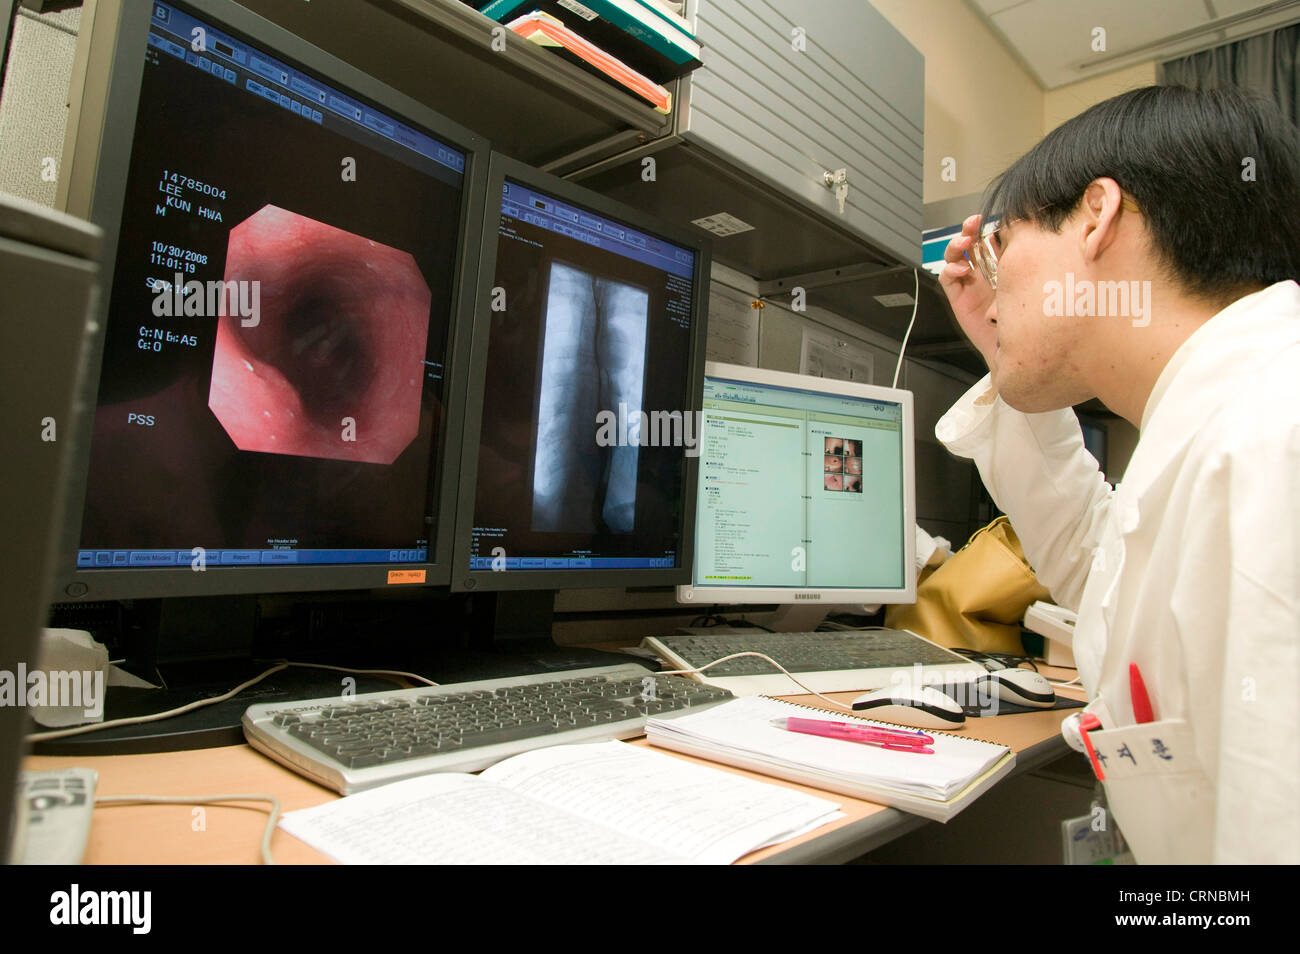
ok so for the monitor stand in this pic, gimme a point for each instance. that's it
(798, 617)
(515, 626)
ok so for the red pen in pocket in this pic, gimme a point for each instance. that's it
(1142, 711)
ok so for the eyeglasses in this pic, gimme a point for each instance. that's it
(984, 251)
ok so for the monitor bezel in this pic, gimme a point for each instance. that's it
(465, 579)
(696, 595)
(113, 151)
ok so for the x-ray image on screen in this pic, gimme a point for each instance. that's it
(593, 360)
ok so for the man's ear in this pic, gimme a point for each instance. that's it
(1100, 211)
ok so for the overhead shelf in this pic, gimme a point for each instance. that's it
(529, 103)
(544, 111)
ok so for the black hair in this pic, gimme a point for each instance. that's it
(1215, 174)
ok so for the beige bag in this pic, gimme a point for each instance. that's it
(977, 598)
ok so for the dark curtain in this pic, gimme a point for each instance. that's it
(1264, 63)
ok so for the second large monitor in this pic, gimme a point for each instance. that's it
(588, 350)
(806, 491)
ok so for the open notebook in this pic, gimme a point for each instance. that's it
(741, 733)
(603, 803)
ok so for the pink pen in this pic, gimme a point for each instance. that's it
(866, 735)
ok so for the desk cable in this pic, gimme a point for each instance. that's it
(199, 704)
(688, 672)
(902, 351)
(916, 301)
(273, 814)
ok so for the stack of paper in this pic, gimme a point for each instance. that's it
(545, 30)
(605, 803)
(741, 733)
(646, 35)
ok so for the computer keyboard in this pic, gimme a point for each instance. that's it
(352, 744)
(839, 661)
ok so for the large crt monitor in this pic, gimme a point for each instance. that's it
(806, 491)
(281, 375)
(588, 356)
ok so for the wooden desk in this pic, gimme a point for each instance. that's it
(184, 834)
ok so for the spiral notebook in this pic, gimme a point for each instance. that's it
(741, 733)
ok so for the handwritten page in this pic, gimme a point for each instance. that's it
(733, 331)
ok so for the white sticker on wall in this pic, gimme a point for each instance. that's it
(721, 223)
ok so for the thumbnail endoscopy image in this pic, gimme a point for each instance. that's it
(593, 360)
(841, 465)
(302, 377)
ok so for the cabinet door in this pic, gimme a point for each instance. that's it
(792, 90)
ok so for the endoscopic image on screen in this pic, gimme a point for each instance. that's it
(339, 337)
(313, 420)
(593, 358)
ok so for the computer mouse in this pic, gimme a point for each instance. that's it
(1022, 686)
(918, 706)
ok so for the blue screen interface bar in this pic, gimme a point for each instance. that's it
(119, 559)
(555, 215)
(175, 32)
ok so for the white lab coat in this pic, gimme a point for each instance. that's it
(1190, 568)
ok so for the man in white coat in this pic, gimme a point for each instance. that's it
(1147, 255)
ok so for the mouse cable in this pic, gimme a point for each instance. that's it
(687, 672)
(200, 703)
(273, 814)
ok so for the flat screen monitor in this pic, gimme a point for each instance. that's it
(587, 361)
(806, 491)
(279, 385)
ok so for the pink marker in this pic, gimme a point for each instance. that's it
(865, 735)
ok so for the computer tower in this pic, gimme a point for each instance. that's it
(49, 271)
